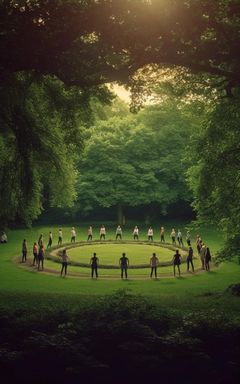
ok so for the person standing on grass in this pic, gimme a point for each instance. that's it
(3, 239)
(198, 244)
(176, 262)
(40, 240)
(35, 254)
(208, 258)
(24, 251)
(60, 236)
(150, 234)
(162, 235)
(188, 238)
(102, 232)
(173, 236)
(94, 265)
(124, 264)
(41, 255)
(73, 235)
(64, 262)
(119, 232)
(190, 259)
(203, 251)
(154, 264)
(179, 238)
(90, 233)
(50, 239)
(135, 233)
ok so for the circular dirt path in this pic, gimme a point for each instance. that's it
(52, 255)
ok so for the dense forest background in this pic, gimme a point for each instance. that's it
(68, 146)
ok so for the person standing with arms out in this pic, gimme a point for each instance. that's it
(119, 232)
(60, 236)
(64, 262)
(162, 235)
(179, 238)
(94, 265)
(35, 253)
(154, 264)
(173, 236)
(176, 262)
(102, 232)
(188, 238)
(24, 251)
(208, 258)
(40, 240)
(90, 233)
(124, 264)
(50, 239)
(73, 235)
(190, 259)
(135, 233)
(150, 234)
(41, 255)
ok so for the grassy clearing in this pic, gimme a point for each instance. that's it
(205, 290)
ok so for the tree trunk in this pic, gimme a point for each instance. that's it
(120, 216)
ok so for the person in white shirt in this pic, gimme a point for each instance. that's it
(102, 232)
(73, 235)
(173, 236)
(119, 232)
(60, 236)
(135, 233)
(3, 238)
(90, 233)
(179, 238)
(150, 234)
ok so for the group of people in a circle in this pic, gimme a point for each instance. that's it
(202, 249)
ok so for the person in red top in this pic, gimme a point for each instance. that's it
(35, 254)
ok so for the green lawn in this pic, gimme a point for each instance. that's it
(17, 280)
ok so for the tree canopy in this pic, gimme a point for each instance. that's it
(91, 42)
(135, 161)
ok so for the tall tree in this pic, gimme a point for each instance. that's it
(40, 138)
(135, 161)
(215, 177)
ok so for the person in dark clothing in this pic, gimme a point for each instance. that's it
(208, 258)
(60, 236)
(154, 264)
(176, 262)
(40, 240)
(24, 251)
(188, 238)
(64, 262)
(124, 264)
(35, 254)
(190, 259)
(50, 239)
(41, 256)
(94, 265)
